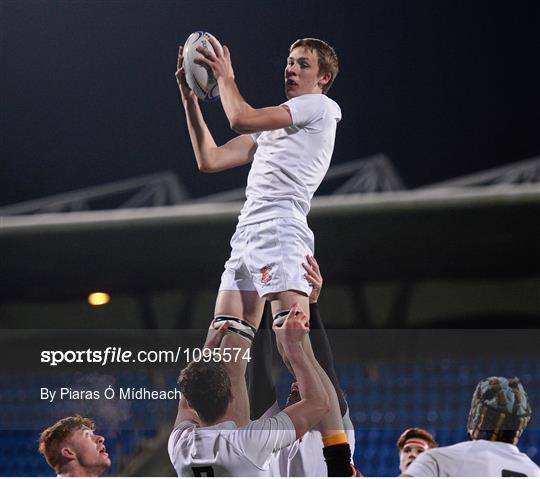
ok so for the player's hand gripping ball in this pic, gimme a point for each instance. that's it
(199, 77)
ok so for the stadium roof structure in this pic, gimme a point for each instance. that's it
(390, 236)
(365, 175)
(444, 231)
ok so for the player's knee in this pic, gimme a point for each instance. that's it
(237, 326)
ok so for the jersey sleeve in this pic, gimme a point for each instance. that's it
(260, 439)
(306, 109)
(255, 136)
(425, 465)
(176, 434)
(271, 411)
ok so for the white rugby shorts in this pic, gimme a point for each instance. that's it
(267, 257)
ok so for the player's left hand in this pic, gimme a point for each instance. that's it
(180, 75)
(314, 277)
(219, 60)
(215, 336)
(294, 328)
(294, 395)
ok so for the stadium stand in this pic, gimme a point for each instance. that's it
(384, 398)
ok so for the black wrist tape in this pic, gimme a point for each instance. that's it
(338, 460)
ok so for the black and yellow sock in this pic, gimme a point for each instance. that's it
(337, 454)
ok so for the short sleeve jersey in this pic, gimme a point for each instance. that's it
(473, 459)
(290, 163)
(227, 450)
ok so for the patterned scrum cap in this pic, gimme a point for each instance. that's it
(500, 410)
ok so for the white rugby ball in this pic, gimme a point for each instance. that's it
(200, 77)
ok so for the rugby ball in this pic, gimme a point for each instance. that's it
(200, 77)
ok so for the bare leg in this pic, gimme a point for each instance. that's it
(285, 299)
(242, 304)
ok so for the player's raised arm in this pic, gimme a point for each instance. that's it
(210, 157)
(314, 403)
(213, 341)
(242, 117)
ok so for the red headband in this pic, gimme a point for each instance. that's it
(416, 442)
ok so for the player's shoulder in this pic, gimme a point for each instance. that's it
(332, 106)
(258, 433)
(429, 463)
(315, 99)
(313, 107)
(276, 421)
(455, 450)
(505, 449)
(450, 460)
(330, 101)
(464, 449)
(508, 454)
(182, 432)
(183, 426)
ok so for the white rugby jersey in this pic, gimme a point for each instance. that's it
(304, 458)
(473, 459)
(227, 450)
(290, 163)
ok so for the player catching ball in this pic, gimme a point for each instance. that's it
(290, 147)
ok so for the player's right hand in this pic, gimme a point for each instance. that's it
(215, 336)
(314, 277)
(180, 75)
(219, 61)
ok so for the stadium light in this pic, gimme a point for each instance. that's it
(98, 298)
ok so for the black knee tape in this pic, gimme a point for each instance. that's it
(280, 317)
(237, 326)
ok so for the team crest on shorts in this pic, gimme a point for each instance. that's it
(266, 274)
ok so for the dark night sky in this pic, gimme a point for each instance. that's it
(444, 88)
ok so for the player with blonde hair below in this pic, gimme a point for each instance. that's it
(72, 449)
(290, 147)
(500, 411)
(411, 444)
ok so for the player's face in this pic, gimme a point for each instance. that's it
(302, 73)
(90, 451)
(408, 454)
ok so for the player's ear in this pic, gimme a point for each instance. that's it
(324, 79)
(67, 453)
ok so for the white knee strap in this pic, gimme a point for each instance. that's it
(236, 325)
(280, 317)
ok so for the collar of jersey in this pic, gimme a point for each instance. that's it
(223, 425)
